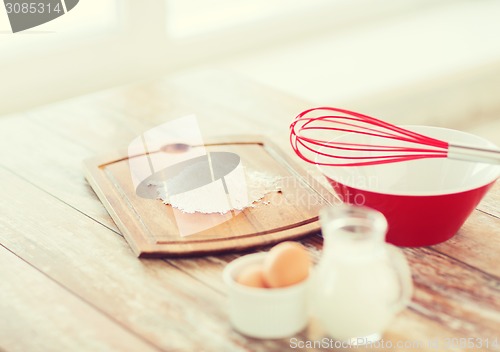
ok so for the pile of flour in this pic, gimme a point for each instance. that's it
(219, 198)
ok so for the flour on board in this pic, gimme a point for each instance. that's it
(215, 198)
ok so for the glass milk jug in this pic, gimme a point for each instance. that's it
(360, 282)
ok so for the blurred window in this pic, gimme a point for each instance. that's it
(87, 21)
(191, 17)
(117, 41)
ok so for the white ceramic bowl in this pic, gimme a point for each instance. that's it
(264, 313)
(425, 201)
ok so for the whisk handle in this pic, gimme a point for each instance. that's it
(469, 153)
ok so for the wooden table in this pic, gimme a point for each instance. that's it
(69, 282)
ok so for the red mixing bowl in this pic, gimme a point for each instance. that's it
(425, 201)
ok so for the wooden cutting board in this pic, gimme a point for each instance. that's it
(153, 229)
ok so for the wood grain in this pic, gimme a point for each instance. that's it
(489, 204)
(153, 228)
(52, 219)
(476, 243)
(452, 294)
(51, 162)
(39, 315)
(151, 297)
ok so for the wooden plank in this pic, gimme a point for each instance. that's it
(39, 315)
(223, 104)
(152, 298)
(449, 292)
(149, 297)
(50, 162)
(147, 102)
(110, 119)
(64, 134)
(443, 306)
(152, 228)
(489, 204)
(476, 243)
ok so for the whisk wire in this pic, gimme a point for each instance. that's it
(374, 121)
(356, 123)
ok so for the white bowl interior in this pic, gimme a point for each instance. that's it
(416, 177)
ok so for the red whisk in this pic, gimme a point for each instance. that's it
(396, 143)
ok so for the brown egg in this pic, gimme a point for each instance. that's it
(286, 264)
(251, 276)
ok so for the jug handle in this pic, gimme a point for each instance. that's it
(403, 272)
